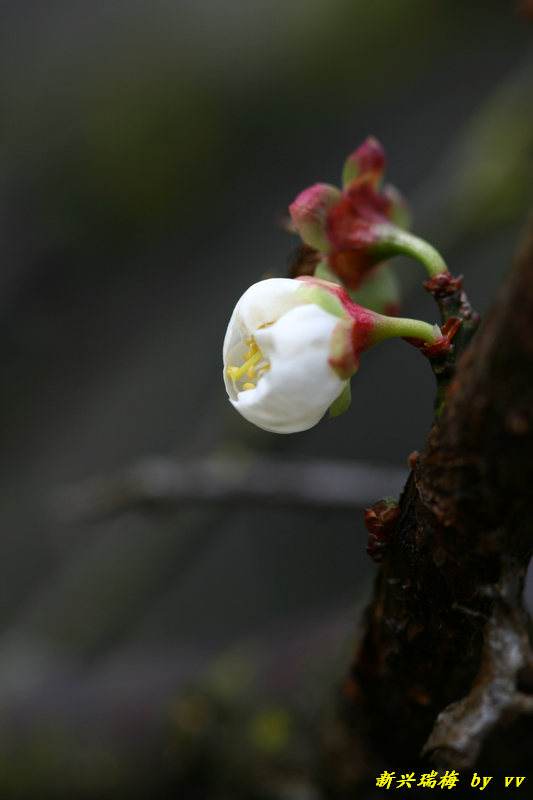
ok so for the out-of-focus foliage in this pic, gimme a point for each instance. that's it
(494, 170)
(124, 117)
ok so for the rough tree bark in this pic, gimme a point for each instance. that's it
(445, 658)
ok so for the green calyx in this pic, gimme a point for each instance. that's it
(342, 403)
(323, 272)
(321, 297)
(379, 291)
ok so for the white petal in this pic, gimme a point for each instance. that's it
(301, 385)
(261, 304)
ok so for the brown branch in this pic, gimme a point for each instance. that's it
(465, 515)
(461, 729)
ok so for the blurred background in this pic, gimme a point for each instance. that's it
(180, 590)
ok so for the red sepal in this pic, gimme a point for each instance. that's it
(366, 164)
(443, 285)
(442, 347)
(350, 226)
(381, 521)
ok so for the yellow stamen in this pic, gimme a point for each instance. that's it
(247, 386)
(252, 351)
(237, 372)
(251, 373)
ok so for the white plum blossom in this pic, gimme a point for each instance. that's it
(285, 342)
(292, 346)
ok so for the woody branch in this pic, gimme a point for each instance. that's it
(446, 632)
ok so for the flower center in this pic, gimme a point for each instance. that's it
(251, 359)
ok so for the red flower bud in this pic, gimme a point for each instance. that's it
(367, 163)
(355, 228)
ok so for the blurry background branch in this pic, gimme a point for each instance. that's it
(249, 478)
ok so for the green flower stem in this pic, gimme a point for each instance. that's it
(397, 326)
(396, 241)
